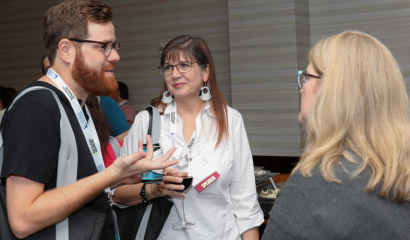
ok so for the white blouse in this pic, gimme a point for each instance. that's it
(229, 206)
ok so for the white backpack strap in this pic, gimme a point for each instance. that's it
(115, 146)
(67, 156)
(154, 126)
(154, 129)
(67, 164)
(144, 223)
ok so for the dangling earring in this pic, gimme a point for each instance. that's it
(205, 93)
(167, 97)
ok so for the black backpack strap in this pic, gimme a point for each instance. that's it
(154, 126)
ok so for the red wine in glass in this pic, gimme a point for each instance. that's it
(186, 181)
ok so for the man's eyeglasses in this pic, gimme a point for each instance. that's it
(303, 77)
(107, 46)
(181, 66)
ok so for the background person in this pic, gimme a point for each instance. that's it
(11, 92)
(103, 129)
(115, 116)
(215, 134)
(122, 98)
(45, 64)
(353, 180)
(4, 101)
(6, 97)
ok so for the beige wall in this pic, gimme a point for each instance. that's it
(257, 46)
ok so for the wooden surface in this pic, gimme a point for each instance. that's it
(281, 177)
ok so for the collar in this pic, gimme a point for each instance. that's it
(207, 108)
(123, 102)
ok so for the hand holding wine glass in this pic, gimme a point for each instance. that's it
(186, 182)
(171, 185)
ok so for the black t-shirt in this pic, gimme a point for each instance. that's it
(31, 134)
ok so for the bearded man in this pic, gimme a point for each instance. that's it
(82, 50)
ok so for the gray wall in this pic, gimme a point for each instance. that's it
(257, 46)
(388, 21)
(264, 55)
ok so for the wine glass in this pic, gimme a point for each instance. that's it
(184, 224)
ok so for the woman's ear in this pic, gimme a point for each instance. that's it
(205, 74)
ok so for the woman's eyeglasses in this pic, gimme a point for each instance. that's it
(303, 77)
(182, 67)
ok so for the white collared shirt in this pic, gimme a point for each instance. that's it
(229, 206)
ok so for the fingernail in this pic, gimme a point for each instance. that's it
(180, 180)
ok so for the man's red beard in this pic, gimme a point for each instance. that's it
(94, 82)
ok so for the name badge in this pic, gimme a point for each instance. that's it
(207, 181)
(204, 173)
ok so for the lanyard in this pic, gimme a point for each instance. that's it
(173, 133)
(88, 128)
(173, 130)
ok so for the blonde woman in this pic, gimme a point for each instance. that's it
(353, 179)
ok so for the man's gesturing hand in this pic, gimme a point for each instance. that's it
(141, 162)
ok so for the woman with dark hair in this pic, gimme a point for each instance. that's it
(3, 97)
(6, 96)
(212, 146)
(104, 131)
(45, 64)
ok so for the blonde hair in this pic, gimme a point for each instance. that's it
(360, 104)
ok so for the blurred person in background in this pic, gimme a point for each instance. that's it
(115, 116)
(11, 92)
(45, 64)
(122, 99)
(4, 101)
(104, 131)
(6, 97)
(353, 178)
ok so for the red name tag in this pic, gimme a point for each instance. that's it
(207, 181)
